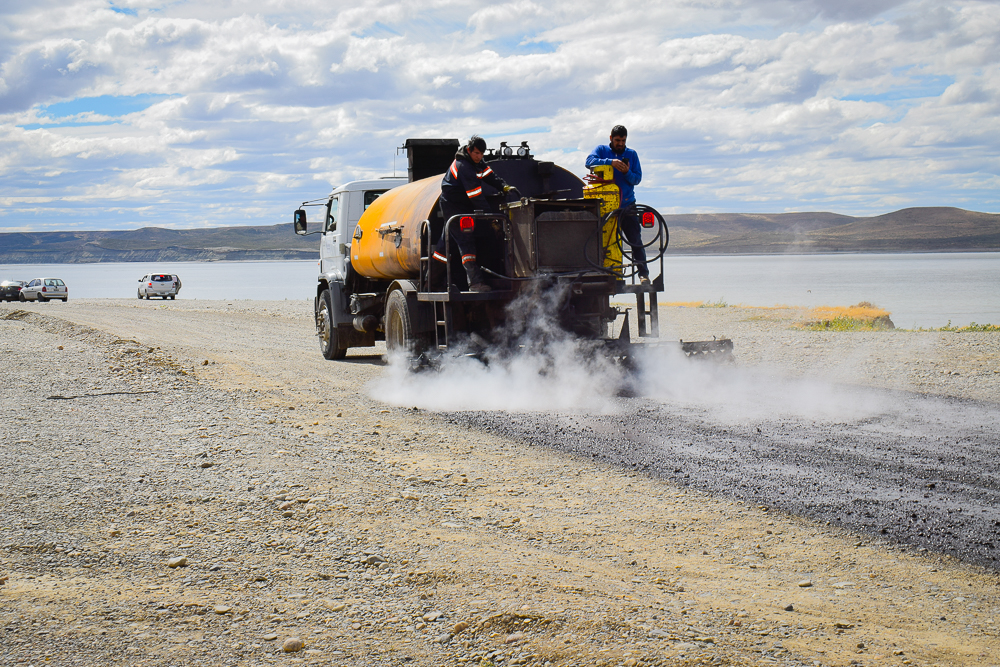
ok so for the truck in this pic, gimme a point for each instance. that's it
(556, 243)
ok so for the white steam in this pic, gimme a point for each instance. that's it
(537, 366)
(534, 366)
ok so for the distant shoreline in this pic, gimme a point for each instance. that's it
(670, 252)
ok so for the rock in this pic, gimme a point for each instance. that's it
(805, 584)
(177, 561)
(221, 609)
(432, 616)
(288, 514)
(374, 560)
(286, 505)
(631, 662)
(514, 638)
(790, 608)
(443, 638)
(207, 464)
(114, 532)
(461, 625)
(293, 644)
(269, 638)
(843, 625)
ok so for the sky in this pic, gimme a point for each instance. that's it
(179, 114)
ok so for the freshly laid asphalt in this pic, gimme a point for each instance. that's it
(917, 470)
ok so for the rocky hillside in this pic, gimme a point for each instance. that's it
(926, 229)
(155, 244)
(932, 229)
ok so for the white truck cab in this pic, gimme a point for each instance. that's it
(343, 209)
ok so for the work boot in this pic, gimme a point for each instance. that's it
(643, 280)
(476, 281)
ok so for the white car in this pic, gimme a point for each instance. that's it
(43, 289)
(163, 285)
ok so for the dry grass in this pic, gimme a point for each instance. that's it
(861, 317)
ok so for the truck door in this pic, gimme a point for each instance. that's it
(330, 253)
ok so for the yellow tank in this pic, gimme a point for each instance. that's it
(386, 242)
(611, 198)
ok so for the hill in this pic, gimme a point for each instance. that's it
(925, 229)
(929, 229)
(155, 244)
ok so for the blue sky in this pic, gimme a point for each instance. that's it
(190, 114)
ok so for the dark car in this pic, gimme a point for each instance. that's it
(10, 290)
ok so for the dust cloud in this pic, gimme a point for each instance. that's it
(533, 365)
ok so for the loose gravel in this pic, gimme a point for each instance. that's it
(189, 483)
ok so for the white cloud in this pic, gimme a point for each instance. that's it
(750, 105)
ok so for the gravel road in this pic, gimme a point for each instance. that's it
(190, 483)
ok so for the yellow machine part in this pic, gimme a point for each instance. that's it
(611, 198)
(389, 243)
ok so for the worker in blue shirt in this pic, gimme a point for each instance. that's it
(628, 173)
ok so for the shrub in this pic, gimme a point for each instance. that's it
(861, 317)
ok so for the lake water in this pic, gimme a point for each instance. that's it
(920, 290)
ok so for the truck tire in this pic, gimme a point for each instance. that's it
(138, 294)
(329, 339)
(399, 335)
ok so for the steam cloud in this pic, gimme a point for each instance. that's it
(535, 365)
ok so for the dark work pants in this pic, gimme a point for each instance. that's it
(628, 221)
(464, 239)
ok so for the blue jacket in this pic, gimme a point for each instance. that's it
(626, 182)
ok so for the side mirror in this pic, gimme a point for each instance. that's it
(300, 222)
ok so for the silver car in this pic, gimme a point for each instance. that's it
(44, 289)
(163, 285)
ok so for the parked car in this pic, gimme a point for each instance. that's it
(44, 289)
(162, 285)
(10, 290)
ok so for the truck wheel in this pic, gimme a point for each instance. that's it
(138, 294)
(329, 340)
(399, 336)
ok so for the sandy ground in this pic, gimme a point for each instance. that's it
(380, 534)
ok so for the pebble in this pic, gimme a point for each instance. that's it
(514, 638)
(843, 625)
(805, 584)
(209, 464)
(177, 561)
(270, 637)
(292, 644)
(432, 616)
(443, 638)
(461, 625)
(222, 609)
(790, 608)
